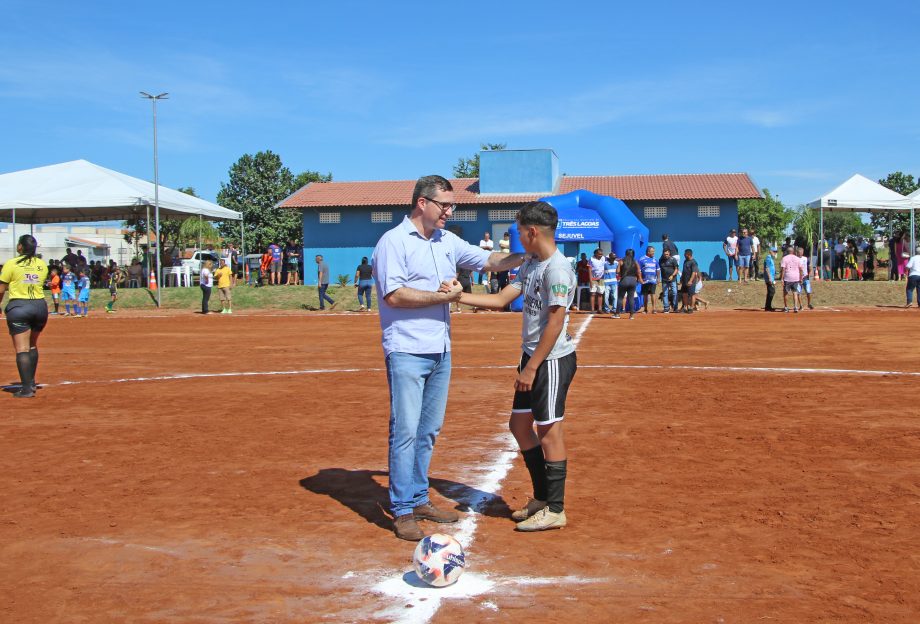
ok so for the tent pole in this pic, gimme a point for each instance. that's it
(242, 236)
(147, 240)
(14, 232)
(821, 250)
(912, 242)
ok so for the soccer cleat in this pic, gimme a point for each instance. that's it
(405, 527)
(430, 512)
(543, 520)
(532, 507)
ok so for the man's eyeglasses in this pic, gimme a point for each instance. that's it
(442, 205)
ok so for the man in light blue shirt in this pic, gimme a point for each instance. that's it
(411, 262)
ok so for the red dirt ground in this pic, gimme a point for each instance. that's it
(694, 495)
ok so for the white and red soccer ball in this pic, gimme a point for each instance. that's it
(439, 560)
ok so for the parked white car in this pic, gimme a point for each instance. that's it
(198, 258)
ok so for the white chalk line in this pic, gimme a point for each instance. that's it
(416, 603)
(663, 367)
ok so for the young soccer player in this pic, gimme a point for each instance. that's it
(54, 283)
(83, 298)
(115, 278)
(68, 291)
(547, 365)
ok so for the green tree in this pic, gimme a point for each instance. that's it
(193, 230)
(257, 184)
(904, 184)
(305, 178)
(768, 215)
(469, 167)
(806, 226)
(169, 228)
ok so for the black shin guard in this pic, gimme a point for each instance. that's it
(24, 364)
(33, 354)
(536, 465)
(555, 484)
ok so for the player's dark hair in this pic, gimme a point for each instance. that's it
(538, 213)
(364, 260)
(29, 246)
(426, 186)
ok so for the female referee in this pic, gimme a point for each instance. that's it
(27, 312)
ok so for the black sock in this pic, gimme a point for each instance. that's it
(555, 484)
(24, 364)
(33, 354)
(536, 465)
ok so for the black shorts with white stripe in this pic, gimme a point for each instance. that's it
(546, 398)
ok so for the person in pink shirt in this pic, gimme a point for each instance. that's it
(790, 272)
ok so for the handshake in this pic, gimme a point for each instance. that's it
(452, 289)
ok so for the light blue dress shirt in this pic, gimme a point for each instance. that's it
(403, 257)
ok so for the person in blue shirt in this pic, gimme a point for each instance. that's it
(649, 274)
(411, 263)
(769, 277)
(745, 252)
(82, 287)
(68, 292)
(611, 283)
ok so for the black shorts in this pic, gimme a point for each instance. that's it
(24, 315)
(649, 289)
(546, 398)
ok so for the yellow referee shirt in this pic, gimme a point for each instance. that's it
(26, 280)
(223, 277)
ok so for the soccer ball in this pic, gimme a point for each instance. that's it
(439, 560)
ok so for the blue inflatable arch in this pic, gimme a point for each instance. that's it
(628, 231)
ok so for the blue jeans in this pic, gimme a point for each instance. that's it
(364, 292)
(913, 283)
(323, 297)
(418, 399)
(610, 297)
(669, 292)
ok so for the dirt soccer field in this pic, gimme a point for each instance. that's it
(723, 467)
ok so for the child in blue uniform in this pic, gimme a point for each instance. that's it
(68, 292)
(83, 300)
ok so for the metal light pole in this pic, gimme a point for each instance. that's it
(156, 190)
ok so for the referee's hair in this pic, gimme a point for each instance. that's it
(29, 246)
(538, 213)
(427, 186)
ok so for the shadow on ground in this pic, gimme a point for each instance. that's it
(360, 491)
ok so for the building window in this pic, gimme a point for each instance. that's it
(385, 216)
(464, 215)
(656, 212)
(502, 215)
(330, 217)
(708, 211)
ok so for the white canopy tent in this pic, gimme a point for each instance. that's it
(81, 191)
(860, 194)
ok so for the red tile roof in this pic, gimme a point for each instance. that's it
(466, 190)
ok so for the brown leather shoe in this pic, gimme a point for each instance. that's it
(430, 512)
(407, 528)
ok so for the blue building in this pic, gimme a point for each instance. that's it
(342, 221)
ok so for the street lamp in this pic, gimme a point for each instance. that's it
(156, 190)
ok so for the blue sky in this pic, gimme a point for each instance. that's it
(800, 95)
